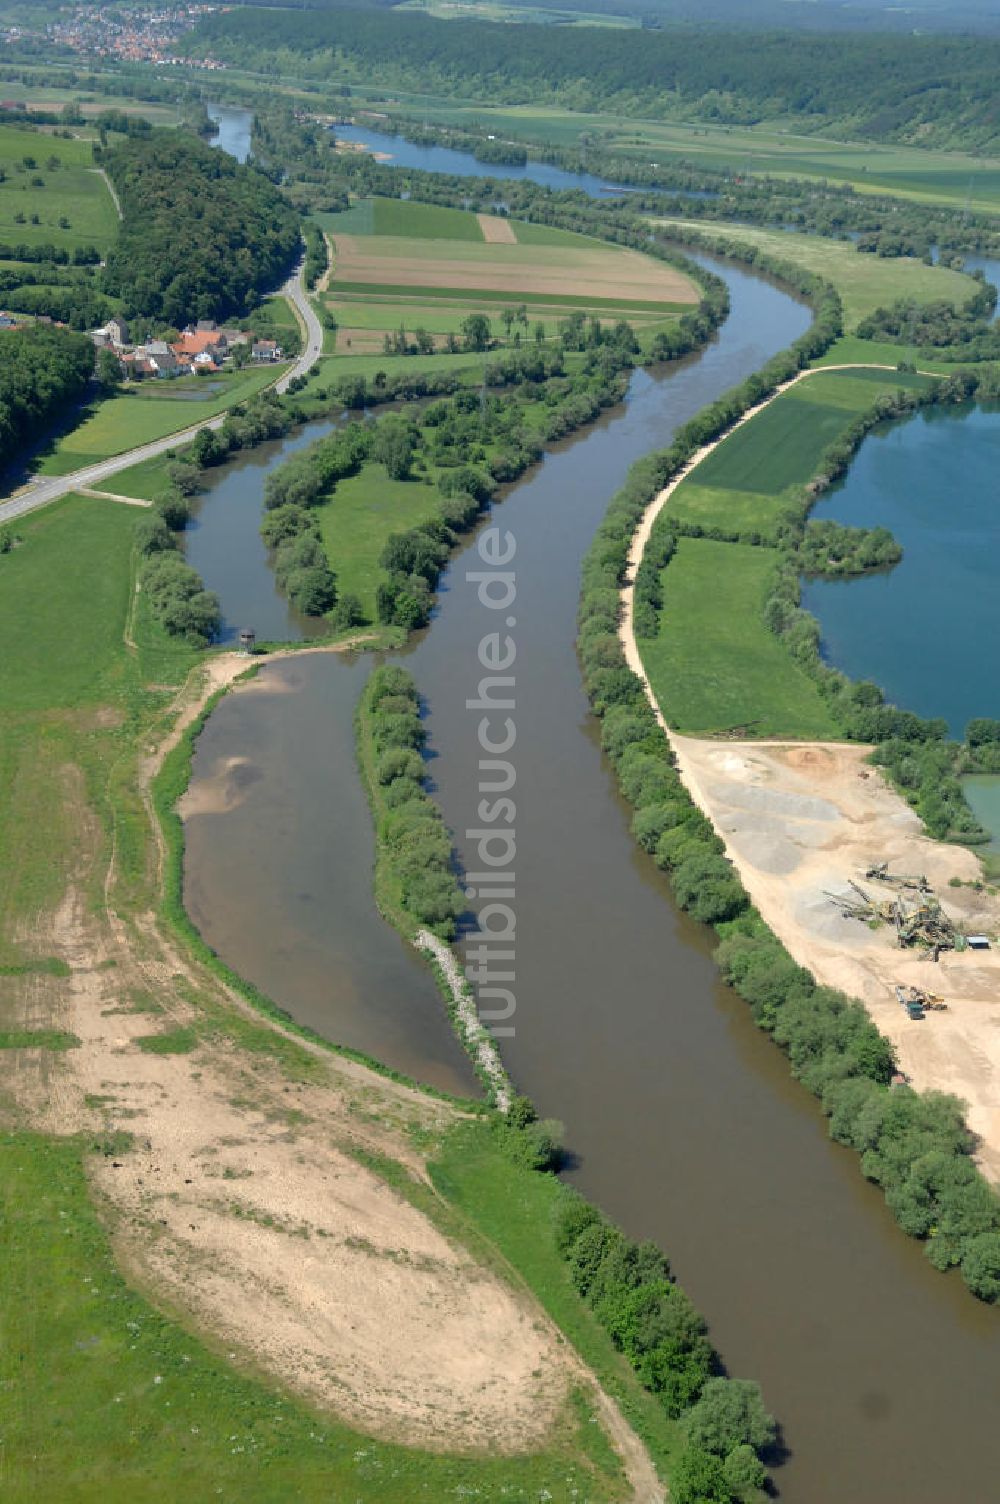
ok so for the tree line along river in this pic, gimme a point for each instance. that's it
(682, 1118)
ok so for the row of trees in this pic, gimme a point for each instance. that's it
(203, 236)
(176, 591)
(632, 1293)
(43, 371)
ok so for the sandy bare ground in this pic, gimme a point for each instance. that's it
(496, 229)
(800, 820)
(546, 270)
(246, 1205)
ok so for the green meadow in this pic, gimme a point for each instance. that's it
(48, 177)
(864, 282)
(715, 666)
(357, 520)
(142, 413)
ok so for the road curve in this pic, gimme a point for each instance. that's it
(46, 488)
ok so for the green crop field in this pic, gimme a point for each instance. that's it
(394, 216)
(139, 415)
(53, 179)
(864, 282)
(783, 444)
(715, 665)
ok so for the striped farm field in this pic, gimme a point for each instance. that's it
(405, 266)
(590, 270)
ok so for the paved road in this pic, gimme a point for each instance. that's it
(45, 488)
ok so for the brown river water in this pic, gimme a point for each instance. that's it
(682, 1118)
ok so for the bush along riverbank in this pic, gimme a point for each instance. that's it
(627, 1285)
(914, 1145)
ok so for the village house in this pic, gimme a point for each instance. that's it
(211, 343)
(265, 349)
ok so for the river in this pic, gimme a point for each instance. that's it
(683, 1120)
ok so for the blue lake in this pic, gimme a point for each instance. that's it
(927, 631)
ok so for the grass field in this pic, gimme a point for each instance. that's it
(359, 517)
(138, 415)
(715, 665)
(864, 282)
(62, 184)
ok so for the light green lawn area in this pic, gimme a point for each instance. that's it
(64, 593)
(714, 665)
(332, 367)
(111, 1399)
(278, 311)
(864, 282)
(850, 349)
(356, 521)
(139, 415)
(146, 481)
(73, 190)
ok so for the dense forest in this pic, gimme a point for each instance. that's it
(42, 370)
(202, 236)
(879, 87)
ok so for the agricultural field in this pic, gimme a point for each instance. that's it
(47, 179)
(402, 265)
(864, 282)
(715, 666)
(747, 483)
